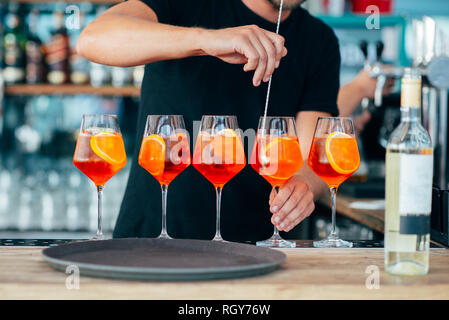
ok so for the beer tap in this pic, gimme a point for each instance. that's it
(363, 45)
(382, 74)
(434, 65)
(382, 78)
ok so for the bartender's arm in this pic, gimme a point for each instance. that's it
(351, 94)
(129, 34)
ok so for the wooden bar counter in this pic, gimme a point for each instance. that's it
(308, 273)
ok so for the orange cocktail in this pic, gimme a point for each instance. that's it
(334, 156)
(165, 157)
(219, 155)
(164, 153)
(340, 160)
(276, 158)
(99, 154)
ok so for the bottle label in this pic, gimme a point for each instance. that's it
(414, 224)
(415, 184)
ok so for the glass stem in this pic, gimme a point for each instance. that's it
(218, 191)
(100, 213)
(276, 231)
(164, 233)
(333, 234)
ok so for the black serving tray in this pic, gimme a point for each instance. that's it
(164, 260)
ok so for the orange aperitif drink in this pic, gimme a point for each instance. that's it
(165, 157)
(276, 158)
(99, 154)
(334, 158)
(164, 153)
(219, 157)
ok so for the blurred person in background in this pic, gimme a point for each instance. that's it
(351, 95)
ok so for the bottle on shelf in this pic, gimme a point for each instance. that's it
(79, 67)
(14, 46)
(408, 190)
(35, 66)
(121, 76)
(138, 73)
(58, 50)
(100, 75)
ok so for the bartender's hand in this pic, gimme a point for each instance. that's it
(256, 48)
(292, 204)
(367, 84)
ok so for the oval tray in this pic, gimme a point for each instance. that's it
(164, 259)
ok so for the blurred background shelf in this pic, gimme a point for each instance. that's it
(70, 89)
(359, 21)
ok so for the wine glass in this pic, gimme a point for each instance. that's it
(165, 153)
(334, 157)
(219, 155)
(99, 154)
(276, 157)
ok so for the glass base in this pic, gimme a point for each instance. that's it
(164, 236)
(219, 239)
(98, 237)
(407, 268)
(332, 243)
(275, 242)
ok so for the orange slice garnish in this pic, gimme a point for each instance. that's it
(342, 152)
(226, 148)
(282, 157)
(152, 154)
(109, 147)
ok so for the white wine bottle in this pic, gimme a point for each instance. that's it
(408, 186)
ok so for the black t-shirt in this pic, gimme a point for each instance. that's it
(307, 79)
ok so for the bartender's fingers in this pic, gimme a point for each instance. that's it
(304, 214)
(285, 199)
(246, 49)
(271, 54)
(272, 196)
(299, 198)
(263, 60)
(278, 41)
(281, 197)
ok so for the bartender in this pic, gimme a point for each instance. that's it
(216, 57)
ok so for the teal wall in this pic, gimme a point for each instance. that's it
(415, 8)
